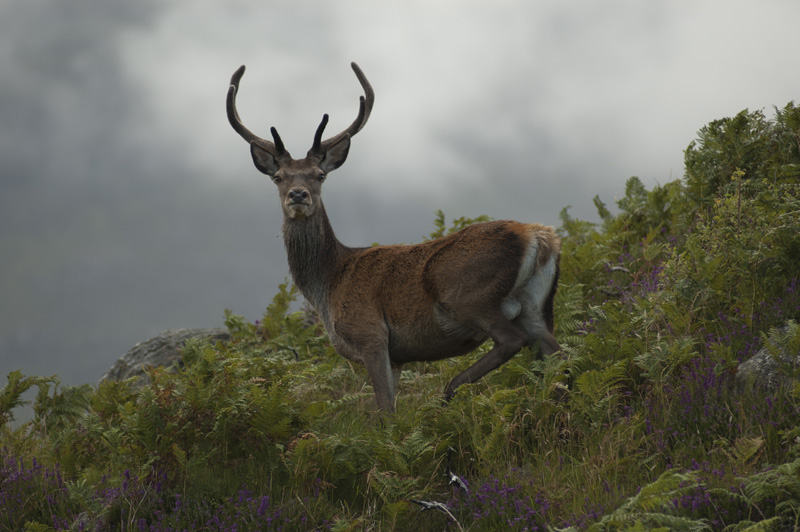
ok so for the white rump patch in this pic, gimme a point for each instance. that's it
(538, 287)
(528, 265)
(526, 302)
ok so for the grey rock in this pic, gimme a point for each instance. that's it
(161, 350)
(771, 368)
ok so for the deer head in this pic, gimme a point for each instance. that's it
(299, 180)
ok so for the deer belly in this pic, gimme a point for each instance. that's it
(441, 338)
(401, 353)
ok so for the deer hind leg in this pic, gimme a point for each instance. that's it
(535, 325)
(508, 339)
(536, 300)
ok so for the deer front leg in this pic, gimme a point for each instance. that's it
(367, 342)
(381, 375)
(508, 340)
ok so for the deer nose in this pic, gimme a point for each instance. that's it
(298, 195)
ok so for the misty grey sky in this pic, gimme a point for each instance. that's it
(128, 205)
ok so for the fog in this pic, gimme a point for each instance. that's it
(129, 206)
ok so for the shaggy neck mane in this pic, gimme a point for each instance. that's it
(313, 251)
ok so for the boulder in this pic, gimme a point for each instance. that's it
(161, 350)
(772, 366)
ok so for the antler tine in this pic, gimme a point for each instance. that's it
(236, 122)
(364, 110)
(233, 115)
(317, 147)
(365, 107)
(278, 142)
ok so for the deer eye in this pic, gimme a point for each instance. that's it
(276, 180)
(321, 178)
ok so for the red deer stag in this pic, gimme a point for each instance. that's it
(387, 305)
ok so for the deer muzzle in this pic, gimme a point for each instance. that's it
(299, 195)
(298, 203)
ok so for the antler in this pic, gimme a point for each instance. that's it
(364, 110)
(319, 147)
(233, 117)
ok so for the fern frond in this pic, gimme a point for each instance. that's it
(570, 313)
(651, 505)
(11, 393)
(63, 407)
(661, 492)
(777, 484)
(767, 525)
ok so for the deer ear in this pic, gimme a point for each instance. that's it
(264, 159)
(335, 155)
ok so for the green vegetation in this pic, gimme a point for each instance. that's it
(639, 426)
